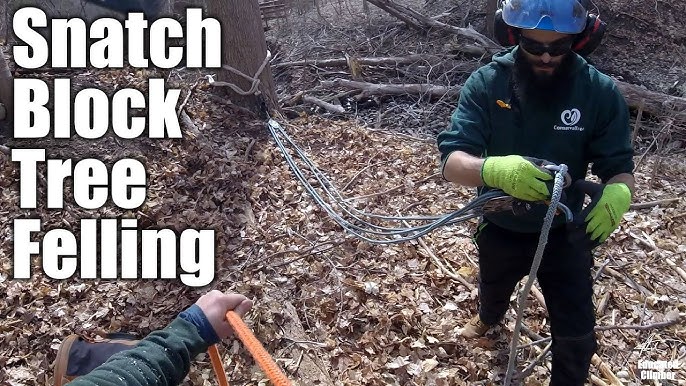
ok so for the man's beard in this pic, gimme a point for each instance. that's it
(542, 86)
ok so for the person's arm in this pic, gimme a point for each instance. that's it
(625, 178)
(164, 356)
(611, 153)
(463, 169)
(462, 144)
(609, 149)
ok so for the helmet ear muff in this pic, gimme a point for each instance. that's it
(584, 44)
(504, 34)
(589, 39)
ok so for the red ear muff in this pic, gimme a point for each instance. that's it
(584, 44)
(504, 34)
(589, 39)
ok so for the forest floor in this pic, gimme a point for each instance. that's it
(328, 306)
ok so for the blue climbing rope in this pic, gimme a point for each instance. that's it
(542, 241)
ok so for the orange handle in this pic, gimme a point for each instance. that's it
(262, 357)
(217, 365)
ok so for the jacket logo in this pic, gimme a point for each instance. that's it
(570, 117)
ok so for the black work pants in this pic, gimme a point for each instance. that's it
(564, 275)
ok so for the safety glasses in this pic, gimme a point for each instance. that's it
(564, 16)
(556, 48)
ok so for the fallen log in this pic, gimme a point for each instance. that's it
(340, 62)
(654, 103)
(311, 368)
(336, 109)
(421, 22)
(369, 89)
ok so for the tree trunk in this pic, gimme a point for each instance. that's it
(491, 8)
(244, 49)
(5, 85)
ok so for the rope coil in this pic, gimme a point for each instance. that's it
(356, 222)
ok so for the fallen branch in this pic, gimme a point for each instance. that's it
(301, 254)
(188, 96)
(530, 368)
(603, 303)
(188, 122)
(453, 275)
(597, 381)
(310, 367)
(654, 103)
(678, 269)
(650, 102)
(628, 281)
(342, 62)
(640, 327)
(336, 109)
(416, 20)
(393, 89)
(606, 371)
(650, 204)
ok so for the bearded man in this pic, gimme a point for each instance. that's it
(542, 100)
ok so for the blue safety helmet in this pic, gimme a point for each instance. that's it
(564, 16)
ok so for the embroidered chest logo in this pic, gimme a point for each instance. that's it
(569, 120)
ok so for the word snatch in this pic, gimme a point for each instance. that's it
(103, 44)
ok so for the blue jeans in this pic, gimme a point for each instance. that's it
(564, 275)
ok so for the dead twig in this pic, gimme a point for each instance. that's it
(391, 190)
(641, 327)
(301, 254)
(188, 96)
(655, 139)
(530, 368)
(627, 280)
(650, 204)
(335, 109)
(637, 125)
(678, 269)
(606, 370)
(597, 381)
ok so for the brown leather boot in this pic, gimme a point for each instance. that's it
(475, 328)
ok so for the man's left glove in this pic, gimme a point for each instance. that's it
(605, 215)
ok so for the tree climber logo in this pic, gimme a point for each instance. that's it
(569, 120)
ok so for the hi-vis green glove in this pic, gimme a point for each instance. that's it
(517, 177)
(605, 216)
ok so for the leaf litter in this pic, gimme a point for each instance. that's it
(373, 315)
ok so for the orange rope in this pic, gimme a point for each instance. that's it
(262, 357)
(217, 365)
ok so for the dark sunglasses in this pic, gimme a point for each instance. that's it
(556, 48)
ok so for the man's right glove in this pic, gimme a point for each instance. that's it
(517, 177)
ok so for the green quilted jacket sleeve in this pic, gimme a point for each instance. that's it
(162, 358)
